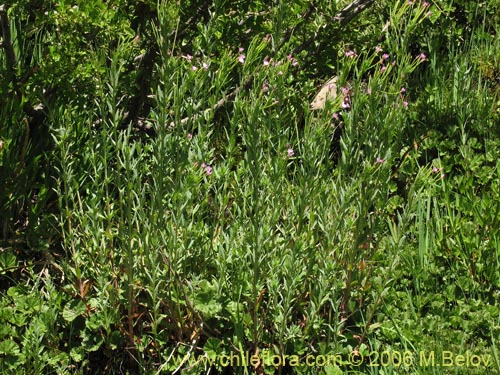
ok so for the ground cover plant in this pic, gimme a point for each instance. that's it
(171, 203)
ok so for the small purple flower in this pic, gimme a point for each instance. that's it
(292, 59)
(385, 56)
(403, 90)
(290, 152)
(380, 160)
(428, 13)
(194, 68)
(351, 54)
(240, 50)
(378, 49)
(208, 169)
(383, 68)
(369, 91)
(266, 62)
(422, 57)
(241, 58)
(346, 103)
(425, 4)
(265, 88)
(405, 104)
(189, 136)
(335, 116)
(189, 57)
(204, 66)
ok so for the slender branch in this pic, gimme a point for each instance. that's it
(343, 17)
(352, 10)
(221, 103)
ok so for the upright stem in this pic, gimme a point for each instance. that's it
(8, 45)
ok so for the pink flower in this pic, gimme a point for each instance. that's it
(346, 103)
(385, 56)
(189, 57)
(189, 136)
(290, 152)
(405, 104)
(335, 116)
(422, 57)
(265, 88)
(379, 160)
(351, 54)
(240, 50)
(425, 4)
(383, 68)
(280, 73)
(403, 90)
(208, 169)
(204, 66)
(428, 13)
(369, 91)
(378, 49)
(266, 62)
(292, 59)
(241, 58)
(194, 68)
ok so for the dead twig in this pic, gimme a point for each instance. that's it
(352, 10)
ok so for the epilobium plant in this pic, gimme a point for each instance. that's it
(198, 208)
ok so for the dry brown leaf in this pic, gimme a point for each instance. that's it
(327, 92)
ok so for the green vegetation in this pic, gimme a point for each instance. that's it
(169, 201)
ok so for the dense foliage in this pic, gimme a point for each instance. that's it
(171, 203)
